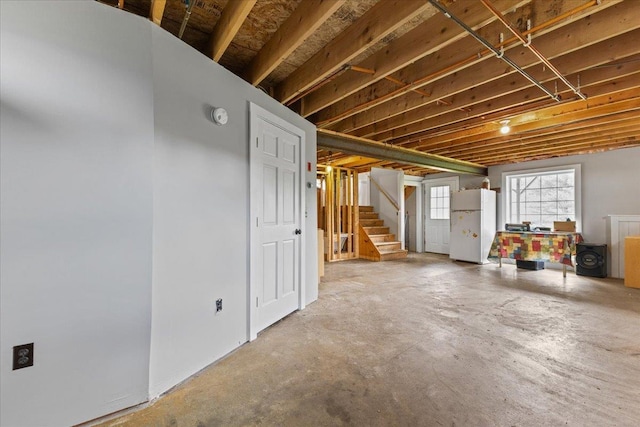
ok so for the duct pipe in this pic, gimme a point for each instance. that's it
(187, 15)
(365, 147)
(536, 52)
(489, 46)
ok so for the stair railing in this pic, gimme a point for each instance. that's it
(382, 190)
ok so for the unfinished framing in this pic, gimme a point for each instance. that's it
(338, 212)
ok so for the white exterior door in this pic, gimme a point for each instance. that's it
(437, 196)
(276, 229)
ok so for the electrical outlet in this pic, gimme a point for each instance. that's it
(22, 356)
(218, 305)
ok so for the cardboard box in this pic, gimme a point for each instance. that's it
(632, 261)
(569, 226)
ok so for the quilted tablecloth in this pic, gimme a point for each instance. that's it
(535, 246)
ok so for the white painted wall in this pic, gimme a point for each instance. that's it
(201, 206)
(364, 189)
(76, 210)
(124, 210)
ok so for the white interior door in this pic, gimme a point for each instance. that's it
(437, 196)
(276, 231)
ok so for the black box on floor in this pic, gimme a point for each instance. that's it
(530, 265)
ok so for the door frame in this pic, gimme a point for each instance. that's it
(412, 181)
(426, 208)
(257, 114)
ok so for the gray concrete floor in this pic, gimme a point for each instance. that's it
(430, 342)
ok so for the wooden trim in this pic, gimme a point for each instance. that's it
(307, 17)
(233, 15)
(120, 4)
(383, 18)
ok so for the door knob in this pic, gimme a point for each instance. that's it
(298, 231)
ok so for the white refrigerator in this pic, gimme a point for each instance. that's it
(473, 225)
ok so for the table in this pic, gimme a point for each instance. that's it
(556, 247)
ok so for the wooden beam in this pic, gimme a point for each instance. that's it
(367, 147)
(497, 147)
(233, 15)
(547, 117)
(586, 128)
(560, 148)
(484, 99)
(454, 58)
(466, 92)
(530, 99)
(431, 36)
(383, 18)
(611, 22)
(156, 11)
(120, 4)
(307, 17)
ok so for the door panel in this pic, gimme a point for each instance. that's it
(277, 278)
(436, 200)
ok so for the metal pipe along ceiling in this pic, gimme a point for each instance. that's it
(489, 46)
(536, 52)
(187, 15)
(365, 147)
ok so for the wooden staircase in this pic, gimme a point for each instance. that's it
(376, 243)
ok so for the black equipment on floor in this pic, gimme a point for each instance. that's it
(591, 260)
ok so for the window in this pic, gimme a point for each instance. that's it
(542, 196)
(439, 199)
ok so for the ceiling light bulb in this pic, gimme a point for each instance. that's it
(505, 127)
(328, 168)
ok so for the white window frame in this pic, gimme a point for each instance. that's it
(446, 211)
(575, 168)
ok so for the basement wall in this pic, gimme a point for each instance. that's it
(201, 205)
(124, 210)
(610, 185)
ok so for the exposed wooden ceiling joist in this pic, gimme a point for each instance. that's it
(503, 94)
(228, 25)
(579, 35)
(457, 57)
(156, 11)
(302, 23)
(383, 18)
(601, 81)
(434, 34)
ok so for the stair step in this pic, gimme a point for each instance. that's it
(377, 238)
(395, 254)
(366, 208)
(368, 215)
(371, 222)
(388, 246)
(376, 230)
